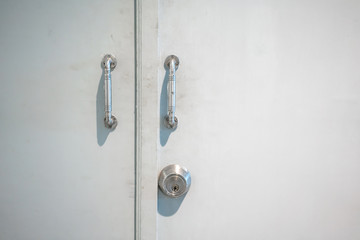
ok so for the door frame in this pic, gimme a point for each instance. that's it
(146, 118)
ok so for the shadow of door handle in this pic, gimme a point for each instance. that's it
(109, 63)
(171, 63)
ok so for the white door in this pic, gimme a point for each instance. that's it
(268, 104)
(63, 175)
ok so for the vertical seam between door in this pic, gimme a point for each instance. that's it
(138, 98)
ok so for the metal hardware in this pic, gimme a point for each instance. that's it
(174, 181)
(172, 63)
(109, 63)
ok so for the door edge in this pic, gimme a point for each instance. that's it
(146, 118)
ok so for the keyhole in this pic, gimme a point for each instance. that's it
(175, 188)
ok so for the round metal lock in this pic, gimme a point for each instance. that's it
(174, 181)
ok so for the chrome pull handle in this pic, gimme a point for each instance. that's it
(109, 63)
(171, 63)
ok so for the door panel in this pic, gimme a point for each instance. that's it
(63, 175)
(268, 102)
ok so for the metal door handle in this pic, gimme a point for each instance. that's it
(109, 63)
(172, 63)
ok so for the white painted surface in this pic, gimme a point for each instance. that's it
(147, 118)
(269, 119)
(62, 174)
